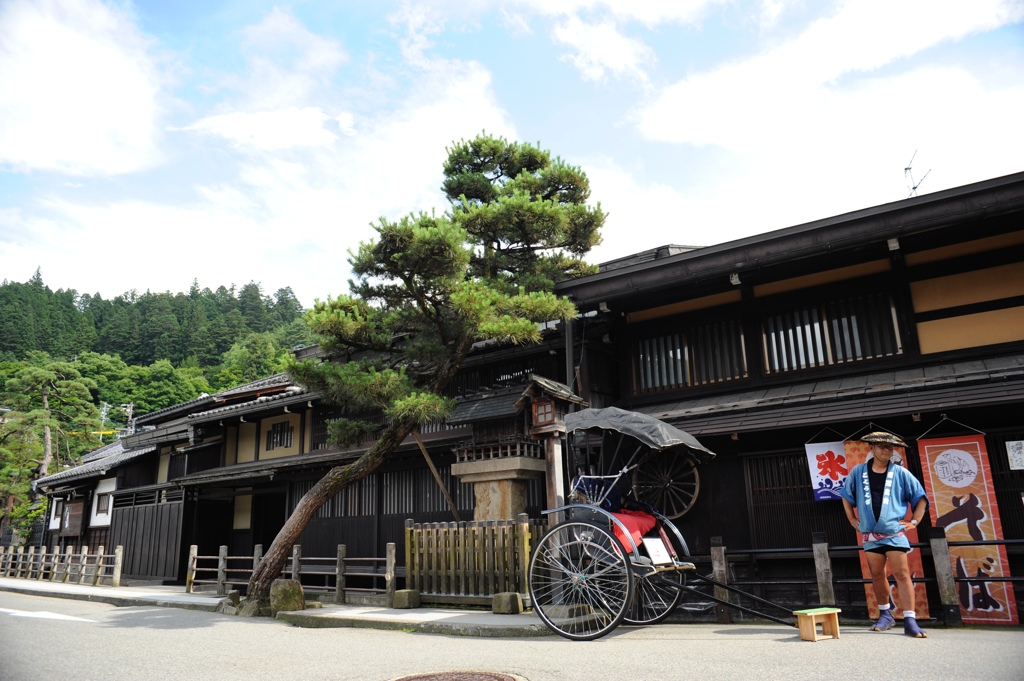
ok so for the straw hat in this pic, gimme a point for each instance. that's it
(880, 437)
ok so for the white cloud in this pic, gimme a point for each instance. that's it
(600, 48)
(274, 130)
(288, 63)
(647, 12)
(79, 92)
(834, 153)
(780, 91)
(289, 214)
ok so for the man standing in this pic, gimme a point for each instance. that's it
(876, 496)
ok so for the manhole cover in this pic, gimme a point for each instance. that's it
(460, 676)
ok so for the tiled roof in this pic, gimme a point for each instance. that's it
(505, 402)
(290, 395)
(275, 381)
(113, 455)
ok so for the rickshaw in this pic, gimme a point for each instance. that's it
(616, 558)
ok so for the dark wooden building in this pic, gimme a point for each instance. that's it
(907, 316)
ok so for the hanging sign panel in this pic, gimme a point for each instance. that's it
(827, 464)
(857, 452)
(962, 500)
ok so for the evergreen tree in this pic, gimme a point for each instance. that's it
(56, 403)
(253, 307)
(426, 289)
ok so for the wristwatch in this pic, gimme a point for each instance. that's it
(913, 522)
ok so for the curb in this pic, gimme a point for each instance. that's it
(329, 621)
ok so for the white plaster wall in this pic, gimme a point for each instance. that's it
(102, 519)
(54, 517)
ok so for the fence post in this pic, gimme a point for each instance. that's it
(389, 573)
(84, 564)
(296, 561)
(42, 563)
(19, 564)
(115, 578)
(823, 569)
(3, 561)
(99, 565)
(190, 569)
(31, 562)
(69, 555)
(720, 573)
(523, 549)
(944, 576)
(410, 557)
(55, 563)
(222, 570)
(339, 576)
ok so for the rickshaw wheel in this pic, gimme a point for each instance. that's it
(581, 582)
(668, 483)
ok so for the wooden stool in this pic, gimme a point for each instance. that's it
(808, 621)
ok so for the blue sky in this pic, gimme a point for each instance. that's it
(144, 145)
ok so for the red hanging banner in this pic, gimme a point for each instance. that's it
(962, 500)
(857, 452)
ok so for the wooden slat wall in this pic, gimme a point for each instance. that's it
(448, 561)
(151, 536)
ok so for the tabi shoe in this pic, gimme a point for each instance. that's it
(885, 621)
(910, 628)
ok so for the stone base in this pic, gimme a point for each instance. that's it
(406, 599)
(507, 603)
(286, 595)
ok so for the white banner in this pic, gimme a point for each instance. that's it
(827, 464)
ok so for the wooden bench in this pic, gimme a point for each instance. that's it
(808, 621)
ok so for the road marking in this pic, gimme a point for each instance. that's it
(43, 615)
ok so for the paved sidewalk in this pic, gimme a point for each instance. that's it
(122, 596)
(427, 620)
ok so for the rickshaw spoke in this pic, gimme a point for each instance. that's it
(581, 582)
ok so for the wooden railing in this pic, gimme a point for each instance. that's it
(339, 575)
(469, 562)
(69, 567)
(514, 446)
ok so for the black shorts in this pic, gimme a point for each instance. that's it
(886, 549)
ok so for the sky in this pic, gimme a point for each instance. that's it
(146, 145)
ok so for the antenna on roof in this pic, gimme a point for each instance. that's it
(907, 172)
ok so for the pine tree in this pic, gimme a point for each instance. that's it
(426, 289)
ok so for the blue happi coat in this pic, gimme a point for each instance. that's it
(901, 489)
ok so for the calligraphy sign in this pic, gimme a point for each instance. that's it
(962, 500)
(857, 452)
(827, 463)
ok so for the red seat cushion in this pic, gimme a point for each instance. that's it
(638, 523)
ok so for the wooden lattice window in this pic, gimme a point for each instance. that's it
(700, 354)
(280, 435)
(834, 332)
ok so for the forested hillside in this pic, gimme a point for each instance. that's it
(196, 327)
(74, 366)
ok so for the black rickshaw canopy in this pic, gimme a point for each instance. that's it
(648, 430)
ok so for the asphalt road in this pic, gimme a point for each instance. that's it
(49, 638)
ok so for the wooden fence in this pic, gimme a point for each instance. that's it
(347, 579)
(70, 567)
(469, 562)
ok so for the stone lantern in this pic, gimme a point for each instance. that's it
(516, 436)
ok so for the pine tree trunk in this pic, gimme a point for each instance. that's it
(47, 439)
(340, 477)
(336, 479)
